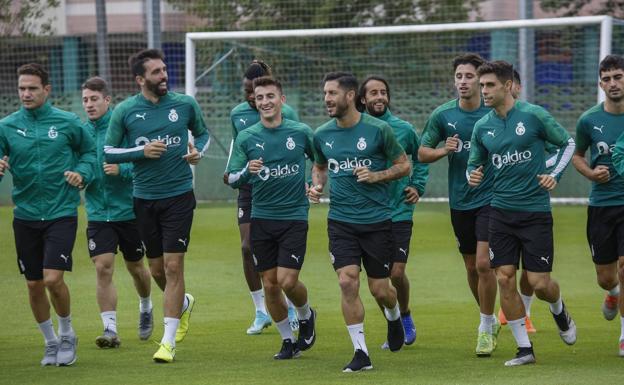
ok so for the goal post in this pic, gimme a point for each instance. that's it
(416, 59)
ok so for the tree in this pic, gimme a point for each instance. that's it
(25, 17)
(614, 8)
(289, 14)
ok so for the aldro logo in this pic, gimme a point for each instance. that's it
(348, 164)
(278, 171)
(461, 146)
(170, 141)
(511, 158)
(604, 148)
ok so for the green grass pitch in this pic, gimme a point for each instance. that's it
(217, 350)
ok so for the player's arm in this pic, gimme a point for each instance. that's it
(393, 151)
(432, 135)
(234, 134)
(114, 152)
(420, 171)
(476, 159)
(617, 157)
(201, 136)
(599, 174)
(318, 174)
(241, 168)
(555, 133)
(4, 153)
(84, 147)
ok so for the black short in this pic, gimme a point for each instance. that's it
(605, 233)
(518, 233)
(470, 227)
(106, 237)
(244, 204)
(44, 245)
(278, 243)
(402, 232)
(165, 224)
(355, 244)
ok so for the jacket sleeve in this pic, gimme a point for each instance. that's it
(84, 146)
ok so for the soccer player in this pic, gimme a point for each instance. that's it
(598, 129)
(243, 116)
(112, 222)
(355, 150)
(374, 94)
(271, 155)
(526, 291)
(50, 157)
(155, 124)
(452, 123)
(511, 139)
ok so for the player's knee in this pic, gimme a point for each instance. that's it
(53, 281)
(35, 288)
(246, 250)
(483, 268)
(348, 284)
(607, 282)
(288, 283)
(157, 272)
(621, 273)
(104, 271)
(506, 281)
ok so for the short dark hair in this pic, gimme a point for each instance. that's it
(611, 62)
(137, 61)
(346, 80)
(516, 77)
(468, 58)
(96, 84)
(362, 91)
(502, 69)
(265, 81)
(34, 69)
(257, 69)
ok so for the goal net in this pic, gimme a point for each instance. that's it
(557, 59)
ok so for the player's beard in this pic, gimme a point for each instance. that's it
(153, 88)
(341, 109)
(370, 108)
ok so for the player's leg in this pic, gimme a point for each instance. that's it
(487, 277)
(292, 240)
(402, 232)
(59, 236)
(102, 243)
(505, 257)
(132, 250)
(463, 222)
(29, 247)
(607, 278)
(526, 293)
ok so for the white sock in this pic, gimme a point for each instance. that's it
(171, 327)
(145, 304)
(109, 320)
(289, 302)
(65, 326)
(185, 304)
(356, 332)
(47, 329)
(394, 313)
(556, 307)
(527, 300)
(284, 330)
(487, 321)
(615, 291)
(519, 332)
(622, 329)
(258, 300)
(304, 311)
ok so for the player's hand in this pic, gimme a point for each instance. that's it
(315, 193)
(111, 169)
(226, 177)
(154, 150)
(365, 175)
(4, 165)
(74, 179)
(255, 166)
(547, 182)
(411, 195)
(476, 177)
(193, 156)
(452, 144)
(600, 174)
